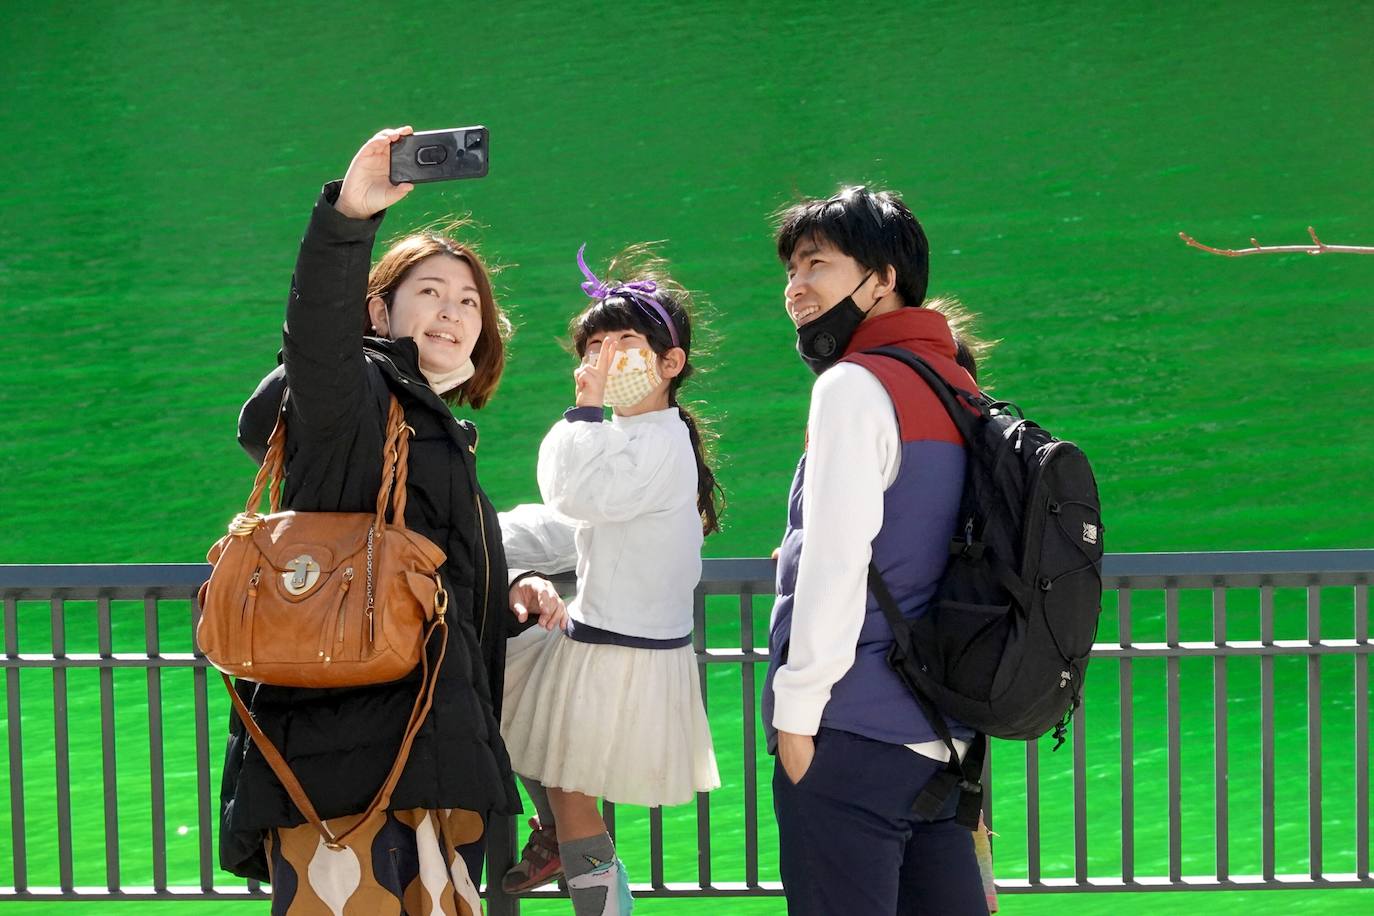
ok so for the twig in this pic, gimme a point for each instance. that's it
(1317, 247)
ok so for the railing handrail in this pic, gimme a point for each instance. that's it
(1278, 567)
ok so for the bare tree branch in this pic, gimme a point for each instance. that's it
(1317, 247)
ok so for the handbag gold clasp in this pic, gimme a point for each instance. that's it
(302, 574)
(440, 597)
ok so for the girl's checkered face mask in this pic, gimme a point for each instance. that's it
(632, 378)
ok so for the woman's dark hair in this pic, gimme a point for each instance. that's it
(969, 346)
(874, 228)
(622, 313)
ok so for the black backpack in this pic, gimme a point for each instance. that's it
(1005, 642)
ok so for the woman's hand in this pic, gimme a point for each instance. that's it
(538, 595)
(591, 379)
(367, 187)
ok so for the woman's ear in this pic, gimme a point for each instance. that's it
(379, 315)
(670, 364)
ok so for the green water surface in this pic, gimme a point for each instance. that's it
(162, 159)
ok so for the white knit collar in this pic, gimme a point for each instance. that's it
(446, 382)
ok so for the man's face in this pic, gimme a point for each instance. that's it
(819, 276)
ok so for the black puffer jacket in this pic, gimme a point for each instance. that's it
(340, 743)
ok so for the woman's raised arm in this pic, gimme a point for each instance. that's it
(323, 335)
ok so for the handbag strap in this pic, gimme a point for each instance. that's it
(423, 701)
(271, 475)
(395, 468)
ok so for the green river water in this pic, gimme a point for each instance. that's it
(163, 158)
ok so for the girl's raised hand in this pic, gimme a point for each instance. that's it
(367, 187)
(591, 379)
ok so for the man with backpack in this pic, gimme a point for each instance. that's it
(879, 489)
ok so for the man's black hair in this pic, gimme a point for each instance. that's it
(873, 227)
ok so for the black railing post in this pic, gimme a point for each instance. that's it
(14, 727)
(500, 857)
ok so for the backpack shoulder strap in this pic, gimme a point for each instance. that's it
(963, 407)
(901, 631)
(965, 774)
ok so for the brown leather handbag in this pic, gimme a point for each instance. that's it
(326, 599)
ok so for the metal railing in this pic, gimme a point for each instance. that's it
(1203, 641)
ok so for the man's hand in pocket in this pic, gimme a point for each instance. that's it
(796, 753)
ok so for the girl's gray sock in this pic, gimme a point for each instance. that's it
(596, 878)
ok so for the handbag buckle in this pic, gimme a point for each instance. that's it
(301, 575)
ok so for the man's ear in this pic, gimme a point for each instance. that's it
(380, 317)
(670, 364)
(887, 282)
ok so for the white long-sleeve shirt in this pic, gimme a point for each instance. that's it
(853, 455)
(620, 506)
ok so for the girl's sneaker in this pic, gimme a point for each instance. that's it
(539, 862)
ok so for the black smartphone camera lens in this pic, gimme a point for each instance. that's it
(431, 155)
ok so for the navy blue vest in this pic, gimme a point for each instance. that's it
(911, 549)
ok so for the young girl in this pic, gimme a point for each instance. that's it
(609, 705)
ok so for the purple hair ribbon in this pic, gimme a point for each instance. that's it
(641, 292)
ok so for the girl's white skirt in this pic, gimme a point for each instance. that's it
(613, 722)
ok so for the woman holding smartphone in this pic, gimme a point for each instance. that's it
(421, 325)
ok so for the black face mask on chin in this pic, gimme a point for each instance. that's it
(822, 342)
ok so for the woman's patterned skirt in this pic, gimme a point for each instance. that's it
(403, 862)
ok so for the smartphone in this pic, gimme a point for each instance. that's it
(440, 155)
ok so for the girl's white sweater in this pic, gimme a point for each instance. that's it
(620, 506)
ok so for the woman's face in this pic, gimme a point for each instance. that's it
(439, 306)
